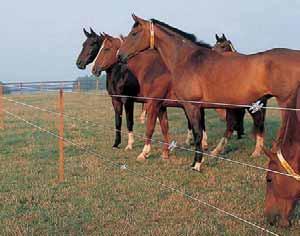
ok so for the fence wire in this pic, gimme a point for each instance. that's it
(144, 177)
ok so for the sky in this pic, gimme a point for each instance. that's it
(40, 40)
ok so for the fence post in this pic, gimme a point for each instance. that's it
(78, 85)
(1, 108)
(21, 86)
(97, 84)
(61, 168)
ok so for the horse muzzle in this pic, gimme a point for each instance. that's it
(80, 65)
(97, 71)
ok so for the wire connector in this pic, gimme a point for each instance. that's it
(257, 106)
(172, 145)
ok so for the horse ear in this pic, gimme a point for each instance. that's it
(107, 36)
(138, 19)
(224, 37)
(217, 38)
(87, 34)
(122, 37)
(92, 32)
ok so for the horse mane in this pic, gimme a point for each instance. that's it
(188, 36)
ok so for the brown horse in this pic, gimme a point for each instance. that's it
(201, 74)
(224, 46)
(154, 81)
(283, 192)
(90, 49)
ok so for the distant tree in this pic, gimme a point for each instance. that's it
(6, 89)
(90, 83)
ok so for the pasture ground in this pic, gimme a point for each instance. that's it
(100, 199)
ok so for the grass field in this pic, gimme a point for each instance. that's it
(98, 198)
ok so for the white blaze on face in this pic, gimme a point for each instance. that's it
(102, 46)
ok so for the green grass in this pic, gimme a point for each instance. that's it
(98, 198)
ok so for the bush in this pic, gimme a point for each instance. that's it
(6, 90)
(90, 83)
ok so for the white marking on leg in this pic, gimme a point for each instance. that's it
(220, 147)
(145, 153)
(204, 141)
(143, 117)
(189, 138)
(258, 147)
(197, 166)
(130, 141)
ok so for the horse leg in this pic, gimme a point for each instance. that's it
(230, 119)
(129, 107)
(189, 138)
(204, 139)
(118, 107)
(143, 114)
(194, 116)
(259, 128)
(239, 122)
(152, 113)
(164, 125)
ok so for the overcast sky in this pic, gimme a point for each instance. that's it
(40, 40)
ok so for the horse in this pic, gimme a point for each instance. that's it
(208, 79)
(90, 50)
(283, 192)
(225, 46)
(153, 80)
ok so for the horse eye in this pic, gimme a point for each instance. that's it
(134, 33)
(269, 180)
(106, 49)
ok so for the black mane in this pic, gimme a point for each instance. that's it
(189, 36)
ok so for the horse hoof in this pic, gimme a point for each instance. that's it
(197, 167)
(256, 154)
(205, 147)
(128, 148)
(165, 157)
(141, 157)
(115, 147)
(214, 152)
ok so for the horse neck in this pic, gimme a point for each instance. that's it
(291, 138)
(173, 50)
(139, 64)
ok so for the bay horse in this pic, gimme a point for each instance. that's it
(210, 79)
(283, 192)
(90, 49)
(236, 116)
(153, 81)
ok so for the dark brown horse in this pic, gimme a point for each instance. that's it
(201, 74)
(283, 192)
(235, 118)
(154, 81)
(90, 49)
